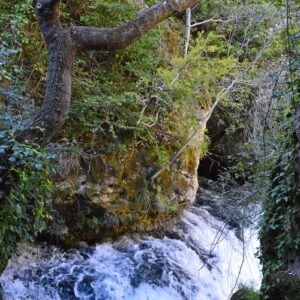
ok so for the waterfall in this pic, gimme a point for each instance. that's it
(201, 257)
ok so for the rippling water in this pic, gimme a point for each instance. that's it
(201, 258)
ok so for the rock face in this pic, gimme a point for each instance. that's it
(224, 148)
(106, 194)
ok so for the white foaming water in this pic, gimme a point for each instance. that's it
(200, 259)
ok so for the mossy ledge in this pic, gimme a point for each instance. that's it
(100, 195)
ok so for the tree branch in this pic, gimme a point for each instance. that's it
(63, 44)
(177, 154)
(220, 95)
(91, 38)
(209, 21)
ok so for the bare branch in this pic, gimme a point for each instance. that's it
(220, 95)
(170, 163)
(210, 21)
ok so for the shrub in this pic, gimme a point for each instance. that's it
(25, 191)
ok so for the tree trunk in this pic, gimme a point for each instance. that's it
(61, 56)
(53, 112)
(64, 43)
(187, 32)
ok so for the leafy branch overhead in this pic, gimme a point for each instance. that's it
(63, 45)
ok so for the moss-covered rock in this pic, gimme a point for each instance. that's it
(245, 293)
(280, 286)
(101, 194)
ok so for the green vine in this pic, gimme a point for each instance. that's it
(25, 192)
(280, 237)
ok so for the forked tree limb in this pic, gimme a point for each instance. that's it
(209, 21)
(92, 38)
(64, 43)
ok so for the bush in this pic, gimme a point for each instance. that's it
(25, 190)
(279, 286)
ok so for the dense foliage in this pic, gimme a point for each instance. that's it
(280, 235)
(150, 97)
(25, 193)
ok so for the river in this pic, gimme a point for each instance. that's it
(200, 258)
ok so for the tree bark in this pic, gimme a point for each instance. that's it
(187, 32)
(64, 43)
(61, 56)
